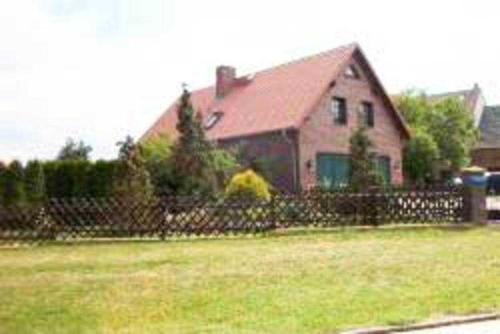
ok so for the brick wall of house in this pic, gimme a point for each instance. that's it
(319, 134)
(488, 158)
(273, 150)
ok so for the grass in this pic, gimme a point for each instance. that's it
(292, 283)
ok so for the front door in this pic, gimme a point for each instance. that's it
(332, 170)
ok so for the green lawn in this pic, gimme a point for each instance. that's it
(290, 283)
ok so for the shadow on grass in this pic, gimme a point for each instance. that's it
(274, 234)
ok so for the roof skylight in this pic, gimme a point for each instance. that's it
(212, 119)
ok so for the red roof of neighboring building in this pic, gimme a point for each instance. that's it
(273, 99)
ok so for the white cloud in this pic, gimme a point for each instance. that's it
(98, 70)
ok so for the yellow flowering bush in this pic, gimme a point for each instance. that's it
(248, 184)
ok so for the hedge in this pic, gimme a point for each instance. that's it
(79, 178)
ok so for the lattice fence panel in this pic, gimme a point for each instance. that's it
(164, 217)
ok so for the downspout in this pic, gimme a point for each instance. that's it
(292, 145)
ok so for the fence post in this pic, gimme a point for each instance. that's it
(475, 204)
(271, 207)
(371, 206)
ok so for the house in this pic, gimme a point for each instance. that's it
(486, 153)
(298, 117)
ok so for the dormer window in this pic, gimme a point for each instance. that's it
(352, 72)
(212, 119)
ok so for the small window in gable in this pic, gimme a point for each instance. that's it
(212, 119)
(352, 72)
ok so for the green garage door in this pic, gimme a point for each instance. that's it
(333, 170)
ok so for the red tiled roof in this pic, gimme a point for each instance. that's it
(277, 98)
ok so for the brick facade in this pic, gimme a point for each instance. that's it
(488, 158)
(292, 158)
(319, 134)
(276, 152)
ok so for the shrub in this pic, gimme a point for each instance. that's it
(56, 184)
(13, 184)
(67, 178)
(100, 178)
(156, 152)
(3, 171)
(34, 181)
(363, 170)
(79, 171)
(420, 158)
(224, 165)
(248, 184)
(132, 178)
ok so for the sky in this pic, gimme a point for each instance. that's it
(98, 70)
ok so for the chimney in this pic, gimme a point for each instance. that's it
(226, 77)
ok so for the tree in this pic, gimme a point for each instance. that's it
(420, 158)
(73, 150)
(157, 148)
(363, 169)
(191, 155)
(132, 178)
(452, 127)
(415, 108)
(34, 182)
(157, 152)
(224, 164)
(13, 184)
(446, 122)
